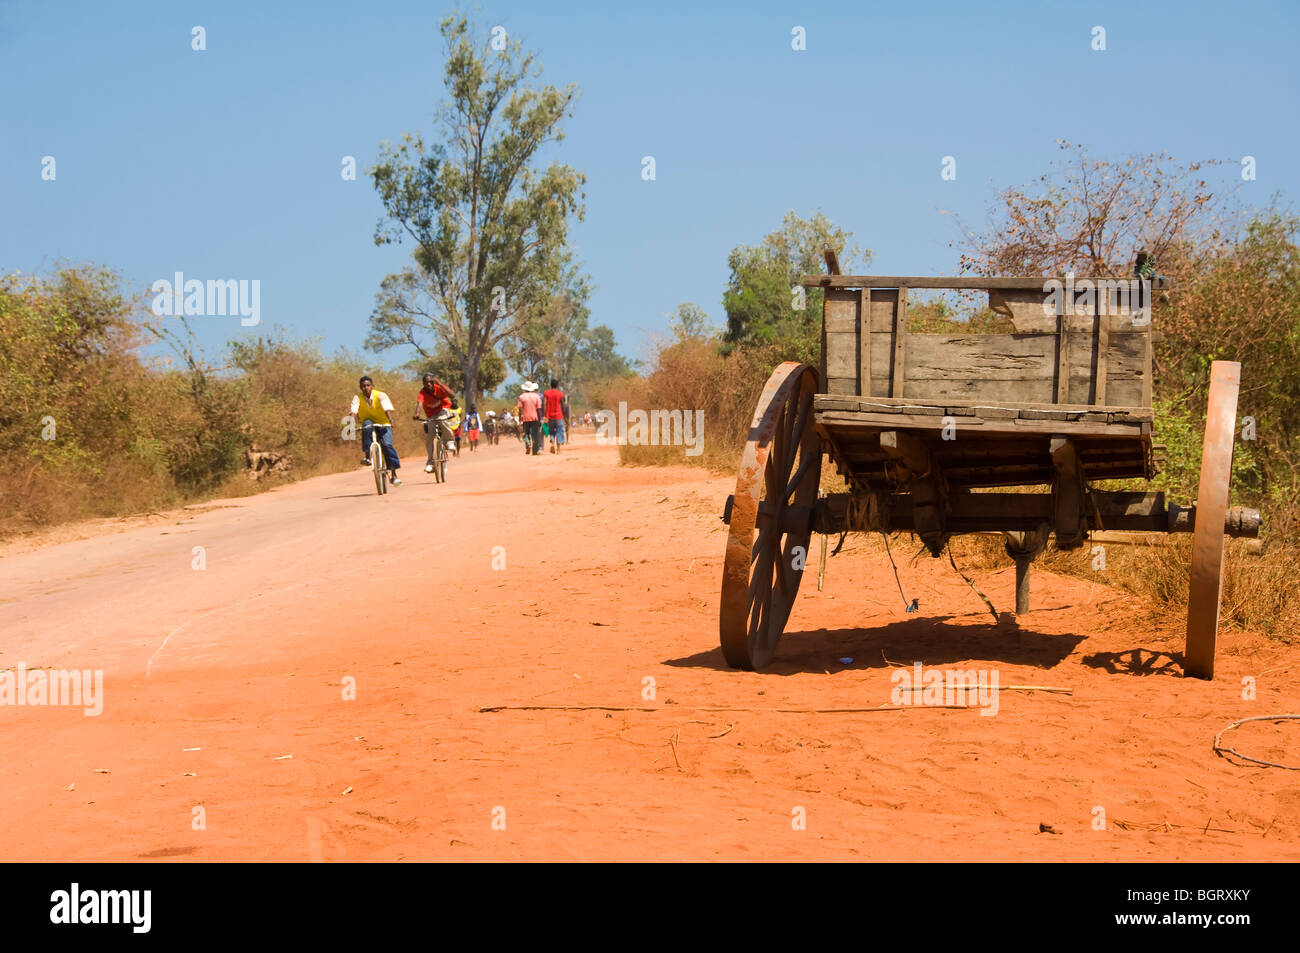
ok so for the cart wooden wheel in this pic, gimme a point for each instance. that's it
(767, 544)
(1206, 587)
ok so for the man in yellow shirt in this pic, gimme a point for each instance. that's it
(374, 411)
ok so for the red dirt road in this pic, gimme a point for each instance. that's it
(224, 690)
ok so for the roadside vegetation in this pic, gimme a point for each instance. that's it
(91, 428)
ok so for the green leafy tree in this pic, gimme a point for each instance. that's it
(763, 297)
(489, 224)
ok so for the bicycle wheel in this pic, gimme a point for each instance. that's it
(377, 465)
(440, 465)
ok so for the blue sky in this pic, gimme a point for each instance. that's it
(226, 163)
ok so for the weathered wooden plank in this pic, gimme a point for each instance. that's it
(836, 402)
(896, 378)
(847, 386)
(986, 357)
(864, 341)
(841, 323)
(884, 304)
(840, 310)
(1123, 414)
(1034, 311)
(836, 421)
(842, 355)
(973, 389)
(821, 364)
(1123, 369)
(1030, 413)
(1146, 375)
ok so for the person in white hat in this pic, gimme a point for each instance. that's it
(530, 415)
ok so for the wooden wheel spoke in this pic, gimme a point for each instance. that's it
(805, 464)
(762, 571)
(763, 536)
(793, 427)
(783, 572)
(805, 406)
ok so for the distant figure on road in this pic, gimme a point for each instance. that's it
(530, 415)
(557, 411)
(473, 424)
(455, 423)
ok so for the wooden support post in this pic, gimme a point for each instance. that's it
(1068, 493)
(1062, 364)
(1022, 584)
(864, 342)
(832, 262)
(900, 331)
(1023, 547)
(1103, 345)
(929, 493)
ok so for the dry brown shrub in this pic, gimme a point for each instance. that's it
(695, 375)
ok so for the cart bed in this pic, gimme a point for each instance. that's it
(986, 444)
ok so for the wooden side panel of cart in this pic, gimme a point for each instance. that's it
(1097, 356)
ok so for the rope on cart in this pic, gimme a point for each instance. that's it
(915, 603)
(987, 602)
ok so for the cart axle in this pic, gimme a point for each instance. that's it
(1009, 513)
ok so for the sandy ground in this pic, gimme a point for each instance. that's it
(227, 732)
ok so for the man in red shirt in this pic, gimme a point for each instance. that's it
(529, 406)
(557, 411)
(433, 399)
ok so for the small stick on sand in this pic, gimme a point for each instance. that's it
(999, 688)
(781, 711)
(1223, 752)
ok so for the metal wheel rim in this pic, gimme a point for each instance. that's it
(781, 467)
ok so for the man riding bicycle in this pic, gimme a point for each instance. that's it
(373, 407)
(434, 400)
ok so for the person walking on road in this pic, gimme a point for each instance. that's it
(373, 407)
(557, 411)
(433, 400)
(530, 415)
(454, 422)
(473, 424)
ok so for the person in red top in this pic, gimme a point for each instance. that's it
(557, 411)
(433, 400)
(529, 406)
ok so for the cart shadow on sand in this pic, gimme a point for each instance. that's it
(932, 640)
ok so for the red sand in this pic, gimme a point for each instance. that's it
(612, 578)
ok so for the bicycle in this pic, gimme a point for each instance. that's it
(439, 448)
(377, 465)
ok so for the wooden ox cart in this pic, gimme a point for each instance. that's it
(922, 425)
